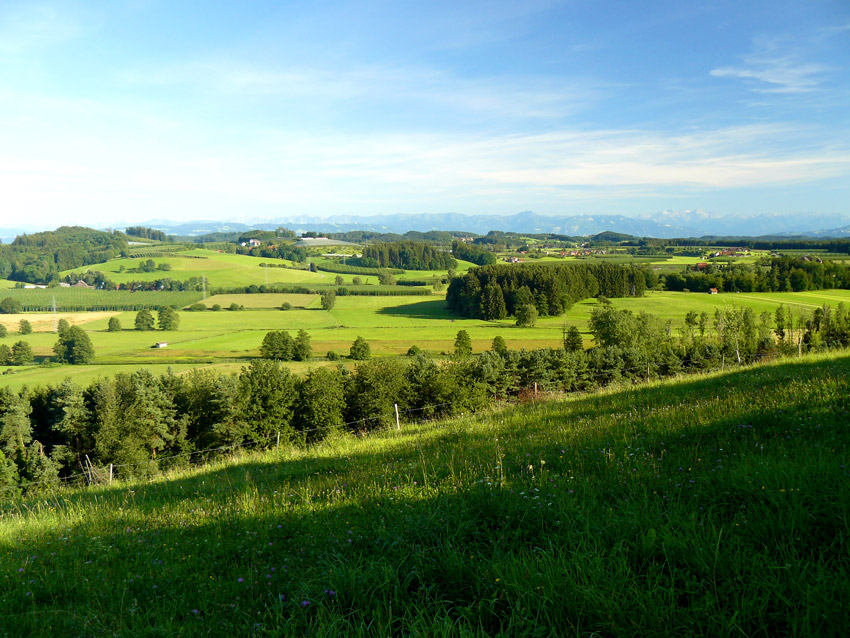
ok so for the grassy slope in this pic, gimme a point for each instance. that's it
(711, 506)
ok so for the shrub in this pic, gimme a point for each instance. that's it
(114, 325)
(197, 307)
(286, 306)
(25, 327)
(360, 350)
(526, 316)
(10, 306)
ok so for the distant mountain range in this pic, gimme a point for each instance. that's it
(664, 225)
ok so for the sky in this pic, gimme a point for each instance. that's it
(134, 110)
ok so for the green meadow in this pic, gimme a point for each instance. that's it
(223, 270)
(708, 506)
(391, 325)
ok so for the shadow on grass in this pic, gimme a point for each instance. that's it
(435, 309)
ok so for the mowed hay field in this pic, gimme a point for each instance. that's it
(708, 506)
(227, 339)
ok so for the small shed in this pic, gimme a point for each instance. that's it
(712, 291)
(160, 344)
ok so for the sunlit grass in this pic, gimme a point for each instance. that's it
(709, 506)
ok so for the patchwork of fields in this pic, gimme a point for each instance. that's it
(228, 339)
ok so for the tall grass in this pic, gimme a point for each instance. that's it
(706, 506)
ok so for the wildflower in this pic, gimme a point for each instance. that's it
(305, 603)
(330, 593)
(240, 580)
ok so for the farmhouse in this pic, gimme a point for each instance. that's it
(712, 291)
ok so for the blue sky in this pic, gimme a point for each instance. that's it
(124, 111)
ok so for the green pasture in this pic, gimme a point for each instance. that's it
(220, 269)
(707, 506)
(268, 301)
(225, 270)
(390, 324)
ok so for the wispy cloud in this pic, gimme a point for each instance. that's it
(27, 27)
(771, 70)
(506, 96)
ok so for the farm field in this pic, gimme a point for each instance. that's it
(223, 270)
(390, 324)
(716, 503)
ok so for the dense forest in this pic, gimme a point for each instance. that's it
(472, 253)
(406, 255)
(777, 274)
(146, 233)
(495, 292)
(139, 422)
(38, 258)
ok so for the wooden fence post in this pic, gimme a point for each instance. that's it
(397, 424)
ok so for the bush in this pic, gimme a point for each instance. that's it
(360, 350)
(328, 299)
(234, 307)
(216, 307)
(114, 325)
(10, 306)
(197, 307)
(25, 327)
(62, 326)
(3, 331)
(286, 306)
(414, 350)
(332, 356)
(526, 316)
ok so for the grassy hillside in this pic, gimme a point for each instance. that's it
(709, 506)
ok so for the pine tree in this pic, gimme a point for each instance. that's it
(463, 344)
(302, 349)
(573, 341)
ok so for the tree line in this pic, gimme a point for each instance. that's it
(408, 255)
(775, 274)
(146, 233)
(499, 291)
